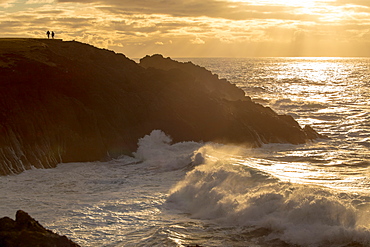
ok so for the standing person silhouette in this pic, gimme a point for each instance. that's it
(52, 34)
(48, 33)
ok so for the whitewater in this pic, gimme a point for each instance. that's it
(189, 193)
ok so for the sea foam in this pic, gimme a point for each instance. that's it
(235, 195)
(158, 152)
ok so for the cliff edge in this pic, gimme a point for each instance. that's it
(71, 102)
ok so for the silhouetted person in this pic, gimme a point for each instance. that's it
(48, 33)
(52, 34)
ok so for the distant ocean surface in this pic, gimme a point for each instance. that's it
(179, 194)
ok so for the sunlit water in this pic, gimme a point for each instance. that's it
(330, 94)
(179, 194)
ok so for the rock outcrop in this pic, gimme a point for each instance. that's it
(204, 80)
(71, 102)
(25, 231)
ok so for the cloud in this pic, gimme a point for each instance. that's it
(190, 8)
(197, 41)
(364, 3)
(39, 1)
(7, 3)
(188, 27)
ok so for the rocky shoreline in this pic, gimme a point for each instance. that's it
(72, 102)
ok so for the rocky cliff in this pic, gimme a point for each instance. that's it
(70, 102)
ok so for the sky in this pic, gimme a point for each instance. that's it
(198, 28)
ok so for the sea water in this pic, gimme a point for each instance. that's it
(179, 194)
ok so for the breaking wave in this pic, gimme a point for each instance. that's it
(236, 195)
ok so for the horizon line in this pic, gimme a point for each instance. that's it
(187, 57)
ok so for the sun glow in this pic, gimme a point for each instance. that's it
(295, 3)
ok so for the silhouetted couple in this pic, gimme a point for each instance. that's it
(52, 34)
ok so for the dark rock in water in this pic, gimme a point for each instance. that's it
(72, 102)
(27, 232)
(312, 134)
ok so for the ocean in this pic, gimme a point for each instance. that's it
(209, 194)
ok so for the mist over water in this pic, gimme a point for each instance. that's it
(176, 194)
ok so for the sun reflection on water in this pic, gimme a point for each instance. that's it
(330, 94)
